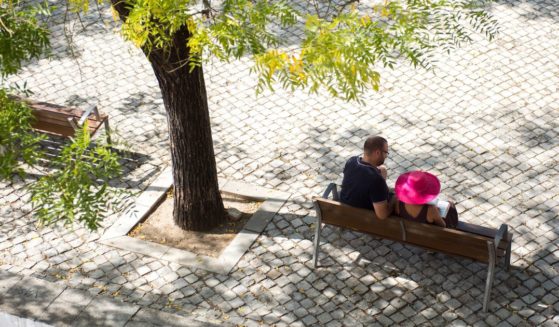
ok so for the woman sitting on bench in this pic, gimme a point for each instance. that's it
(417, 193)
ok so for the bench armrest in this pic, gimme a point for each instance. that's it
(88, 112)
(501, 234)
(332, 188)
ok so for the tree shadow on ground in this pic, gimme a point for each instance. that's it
(440, 279)
(535, 9)
(364, 277)
(66, 27)
(470, 176)
(55, 303)
(53, 145)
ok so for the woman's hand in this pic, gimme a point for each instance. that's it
(434, 217)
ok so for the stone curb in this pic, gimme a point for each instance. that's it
(11, 320)
(116, 235)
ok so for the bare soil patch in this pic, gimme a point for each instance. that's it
(159, 227)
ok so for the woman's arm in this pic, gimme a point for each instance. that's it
(434, 217)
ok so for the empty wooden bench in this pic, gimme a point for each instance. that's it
(471, 241)
(64, 121)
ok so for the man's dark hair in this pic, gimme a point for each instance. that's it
(374, 143)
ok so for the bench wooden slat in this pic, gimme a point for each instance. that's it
(65, 131)
(487, 232)
(51, 107)
(357, 219)
(63, 116)
(446, 240)
(54, 116)
(480, 230)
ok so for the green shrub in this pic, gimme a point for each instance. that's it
(17, 139)
(22, 35)
(78, 188)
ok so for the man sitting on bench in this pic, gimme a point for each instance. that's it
(364, 183)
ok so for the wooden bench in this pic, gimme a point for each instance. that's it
(64, 121)
(471, 241)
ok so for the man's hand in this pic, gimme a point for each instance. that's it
(383, 171)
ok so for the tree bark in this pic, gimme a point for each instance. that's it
(197, 200)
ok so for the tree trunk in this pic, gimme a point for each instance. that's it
(197, 201)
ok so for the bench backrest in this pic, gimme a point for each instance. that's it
(450, 241)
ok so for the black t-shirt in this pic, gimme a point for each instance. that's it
(362, 184)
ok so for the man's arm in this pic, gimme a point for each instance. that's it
(383, 209)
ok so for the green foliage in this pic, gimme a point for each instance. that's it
(17, 139)
(241, 27)
(78, 189)
(151, 24)
(341, 50)
(19, 89)
(22, 36)
(342, 53)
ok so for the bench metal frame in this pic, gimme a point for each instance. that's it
(492, 245)
(76, 124)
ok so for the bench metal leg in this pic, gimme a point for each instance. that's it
(507, 256)
(490, 275)
(108, 131)
(317, 236)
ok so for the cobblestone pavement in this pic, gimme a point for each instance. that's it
(485, 121)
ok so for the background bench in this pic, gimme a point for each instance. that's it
(64, 121)
(471, 241)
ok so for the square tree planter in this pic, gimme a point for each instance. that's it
(117, 234)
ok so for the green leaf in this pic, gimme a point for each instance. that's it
(78, 188)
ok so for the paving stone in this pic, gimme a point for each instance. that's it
(66, 307)
(385, 321)
(7, 280)
(309, 320)
(29, 297)
(429, 313)
(158, 318)
(103, 311)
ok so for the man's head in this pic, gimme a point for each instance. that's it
(375, 150)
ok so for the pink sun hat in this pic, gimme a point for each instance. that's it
(417, 187)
